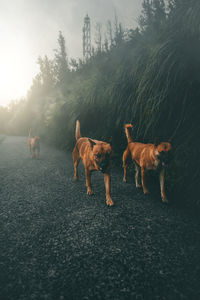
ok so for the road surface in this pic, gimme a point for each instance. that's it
(58, 243)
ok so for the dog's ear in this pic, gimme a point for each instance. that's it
(110, 140)
(156, 142)
(92, 143)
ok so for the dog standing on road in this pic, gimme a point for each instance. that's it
(34, 145)
(147, 157)
(96, 156)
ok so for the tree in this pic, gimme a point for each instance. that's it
(119, 32)
(146, 18)
(153, 16)
(98, 39)
(61, 61)
(110, 34)
(73, 64)
(47, 72)
(106, 46)
(159, 12)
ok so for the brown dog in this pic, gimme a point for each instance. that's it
(96, 156)
(147, 157)
(34, 145)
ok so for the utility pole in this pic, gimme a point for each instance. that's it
(86, 38)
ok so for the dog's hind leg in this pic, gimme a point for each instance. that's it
(32, 152)
(137, 172)
(38, 152)
(162, 186)
(125, 162)
(143, 175)
(76, 160)
(30, 148)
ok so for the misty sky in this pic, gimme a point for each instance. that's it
(29, 28)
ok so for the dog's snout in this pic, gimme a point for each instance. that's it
(165, 157)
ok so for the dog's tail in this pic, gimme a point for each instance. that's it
(128, 128)
(77, 132)
(29, 133)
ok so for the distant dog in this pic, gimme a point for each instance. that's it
(96, 156)
(147, 157)
(34, 145)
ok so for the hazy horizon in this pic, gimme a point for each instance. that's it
(29, 29)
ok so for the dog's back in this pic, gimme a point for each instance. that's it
(36, 142)
(139, 152)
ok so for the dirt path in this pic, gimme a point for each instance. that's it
(58, 243)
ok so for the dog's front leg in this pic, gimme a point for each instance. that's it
(143, 175)
(162, 186)
(88, 181)
(137, 171)
(107, 182)
(38, 153)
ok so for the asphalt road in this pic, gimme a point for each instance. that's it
(58, 243)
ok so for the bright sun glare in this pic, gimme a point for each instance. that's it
(15, 72)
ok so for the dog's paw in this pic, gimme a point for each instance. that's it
(90, 192)
(124, 180)
(164, 200)
(109, 202)
(146, 192)
(138, 186)
(75, 178)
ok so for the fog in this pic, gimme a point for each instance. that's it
(29, 28)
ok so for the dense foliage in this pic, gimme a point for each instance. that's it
(149, 76)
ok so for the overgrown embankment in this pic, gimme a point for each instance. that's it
(148, 76)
